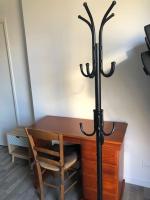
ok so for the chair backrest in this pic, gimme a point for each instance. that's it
(46, 154)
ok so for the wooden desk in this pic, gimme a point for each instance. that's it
(113, 183)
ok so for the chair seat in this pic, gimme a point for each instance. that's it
(69, 161)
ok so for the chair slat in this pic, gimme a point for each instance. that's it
(51, 185)
(43, 135)
(48, 161)
(49, 152)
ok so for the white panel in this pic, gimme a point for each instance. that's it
(7, 108)
(11, 12)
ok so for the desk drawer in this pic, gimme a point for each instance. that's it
(109, 184)
(91, 194)
(89, 152)
(90, 167)
(110, 155)
(18, 140)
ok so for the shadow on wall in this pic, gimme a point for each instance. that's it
(127, 91)
(126, 97)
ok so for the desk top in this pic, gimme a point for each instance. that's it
(70, 128)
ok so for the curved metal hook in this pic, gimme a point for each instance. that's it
(87, 134)
(105, 19)
(108, 18)
(88, 73)
(81, 68)
(110, 73)
(92, 28)
(86, 21)
(92, 133)
(108, 11)
(89, 14)
(111, 132)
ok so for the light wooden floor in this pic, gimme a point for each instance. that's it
(16, 183)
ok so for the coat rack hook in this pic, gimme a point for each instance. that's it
(92, 28)
(111, 132)
(111, 71)
(105, 19)
(92, 133)
(87, 134)
(102, 122)
(88, 73)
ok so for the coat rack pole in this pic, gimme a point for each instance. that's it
(98, 129)
(97, 70)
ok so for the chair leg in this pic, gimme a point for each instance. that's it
(41, 192)
(62, 187)
(40, 181)
(13, 158)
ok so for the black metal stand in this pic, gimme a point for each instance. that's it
(97, 70)
(146, 55)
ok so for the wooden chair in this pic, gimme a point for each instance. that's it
(50, 159)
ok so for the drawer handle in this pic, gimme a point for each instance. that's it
(17, 136)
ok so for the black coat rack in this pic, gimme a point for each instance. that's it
(97, 70)
(146, 55)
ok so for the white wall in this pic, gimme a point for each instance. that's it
(57, 42)
(10, 13)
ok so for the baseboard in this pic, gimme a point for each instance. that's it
(140, 182)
